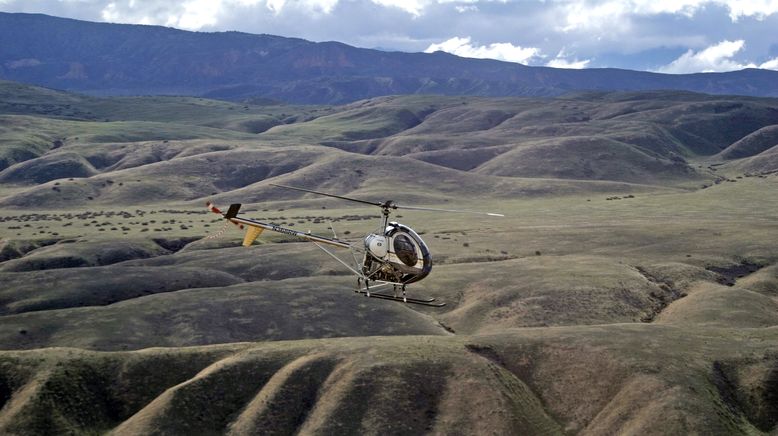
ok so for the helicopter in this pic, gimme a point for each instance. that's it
(394, 255)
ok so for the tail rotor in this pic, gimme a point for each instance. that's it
(231, 212)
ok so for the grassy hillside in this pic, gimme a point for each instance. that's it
(630, 288)
(753, 144)
(529, 381)
(19, 99)
(27, 137)
(202, 150)
(552, 261)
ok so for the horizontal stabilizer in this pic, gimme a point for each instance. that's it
(251, 234)
(232, 212)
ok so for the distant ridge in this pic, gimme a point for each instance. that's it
(121, 59)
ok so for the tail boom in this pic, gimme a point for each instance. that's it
(255, 228)
(287, 231)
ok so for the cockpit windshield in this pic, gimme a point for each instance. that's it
(405, 250)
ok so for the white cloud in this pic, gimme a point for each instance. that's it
(413, 7)
(469, 8)
(196, 14)
(588, 15)
(772, 64)
(607, 14)
(310, 6)
(416, 7)
(716, 58)
(316, 6)
(200, 14)
(564, 63)
(751, 8)
(109, 13)
(275, 5)
(190, 14)
(503, 51)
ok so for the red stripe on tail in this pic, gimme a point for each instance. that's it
(215, 209)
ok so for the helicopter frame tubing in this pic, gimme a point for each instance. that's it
(363, 282)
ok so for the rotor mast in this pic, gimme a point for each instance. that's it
(386, 208)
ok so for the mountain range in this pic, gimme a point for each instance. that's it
(121, 59)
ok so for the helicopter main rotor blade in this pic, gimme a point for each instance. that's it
(432, 209)
(387, 204)
(329, 195)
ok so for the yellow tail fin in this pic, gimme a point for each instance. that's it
(251, 234)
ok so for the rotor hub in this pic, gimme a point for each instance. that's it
(387, 206)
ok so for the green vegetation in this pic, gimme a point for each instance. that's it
(631, 288)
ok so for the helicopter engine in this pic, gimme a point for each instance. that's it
(399, 255)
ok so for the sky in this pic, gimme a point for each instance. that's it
(670, 36)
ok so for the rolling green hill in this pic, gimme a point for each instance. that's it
(632, 286)
(647, 139)
(604, 379)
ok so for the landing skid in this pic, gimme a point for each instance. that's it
(363, 280)
(419, 301)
